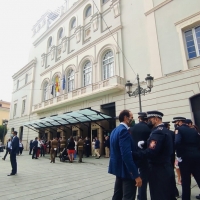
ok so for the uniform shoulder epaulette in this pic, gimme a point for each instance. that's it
(159, 128)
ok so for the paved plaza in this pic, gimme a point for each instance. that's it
(39, 179)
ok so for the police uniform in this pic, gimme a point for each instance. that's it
(159, 151)
(141, 132)
(80, 146)
(54, 146)
(187, 142)
(172, 135)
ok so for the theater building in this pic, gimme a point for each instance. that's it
(84, 53)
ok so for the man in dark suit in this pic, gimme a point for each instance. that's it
(121, 162)
(13, 153)
(141, 132)
(35, 148)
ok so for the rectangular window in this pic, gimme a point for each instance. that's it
(15, 109)
(23, 106)
(17, 84)
(192, 38)
(26, 79)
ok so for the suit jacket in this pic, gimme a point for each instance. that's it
(121, 148)
(15, 145)
(35, 144)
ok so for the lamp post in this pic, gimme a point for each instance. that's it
(5, 122)
(139, 90)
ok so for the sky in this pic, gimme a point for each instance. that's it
(17, 18)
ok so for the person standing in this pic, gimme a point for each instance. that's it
(87, 147)
(158, 152)
(54, 146)
(93, 147)
(42, 149)
(187, 143)
(21, 147)
(97, 148)
(107, 147)
(8, 149)
(35, 147)
(121, 162)
(80, 146)
(30, 147)
(71, 149)
(141, 132)
(13, 153)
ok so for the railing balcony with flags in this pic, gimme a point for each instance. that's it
(105, 87)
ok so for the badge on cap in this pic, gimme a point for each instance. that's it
(152, 144)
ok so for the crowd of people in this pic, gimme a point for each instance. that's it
(68, 149)
(147, 153)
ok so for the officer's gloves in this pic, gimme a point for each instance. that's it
(140, 143)
(179, 159)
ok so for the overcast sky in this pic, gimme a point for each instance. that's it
(17, 18)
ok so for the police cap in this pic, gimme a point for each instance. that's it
(188, 121)
(154, 113)
(175, 119)
(142, 114)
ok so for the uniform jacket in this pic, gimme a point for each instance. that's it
(54, 144)
(15, 145)
(80, 145)
(121, 148)
(159, 147)
(187, 142)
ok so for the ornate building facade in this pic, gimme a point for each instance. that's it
(84, 53)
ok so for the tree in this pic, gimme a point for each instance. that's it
(2, 133)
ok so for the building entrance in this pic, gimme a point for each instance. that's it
(195, 103)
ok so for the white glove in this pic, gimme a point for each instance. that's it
(140, 143)
(179, 159)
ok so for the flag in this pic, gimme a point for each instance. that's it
(57, 84)
(63, 83)
(52, 88)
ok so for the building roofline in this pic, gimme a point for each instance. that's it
(25, 68)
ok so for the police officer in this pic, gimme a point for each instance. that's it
(141, 132)
(159, 151)
(187, 142)
(172, 134)
(54, 146)
(80, 145)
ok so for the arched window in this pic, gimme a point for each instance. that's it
(70, 80)
(87, 74)
(50, 42)
(73, 23)
(60, 34)
(108, 65)
(45, 91)
(88, 12)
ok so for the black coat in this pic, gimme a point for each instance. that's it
(15, 145)
(35, 144)
(140, 132)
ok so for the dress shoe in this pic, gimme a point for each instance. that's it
(11, 174)
(51, 162)
(3, 159)
(198, 197)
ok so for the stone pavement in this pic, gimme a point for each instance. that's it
(40, 179)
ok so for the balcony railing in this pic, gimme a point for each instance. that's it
(111, 85)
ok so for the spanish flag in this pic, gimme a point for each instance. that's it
(57, 85)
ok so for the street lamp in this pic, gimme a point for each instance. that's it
(5, 122)
(139, 90)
